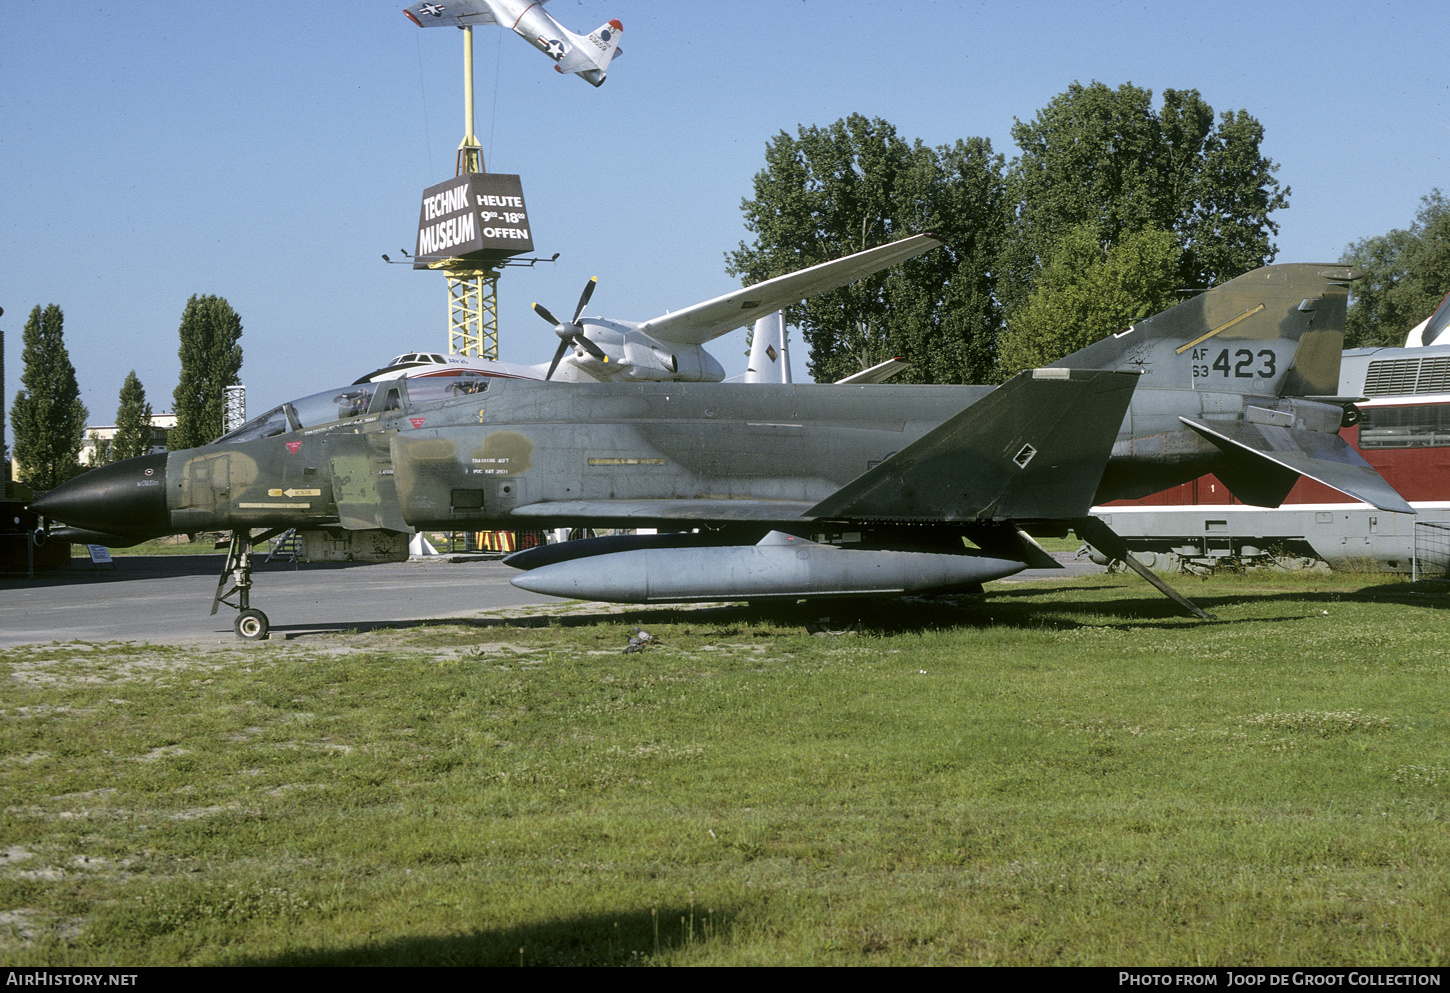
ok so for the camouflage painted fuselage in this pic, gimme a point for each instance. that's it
(1222, 385)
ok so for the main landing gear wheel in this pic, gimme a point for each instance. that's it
(251, 624)
(834, 626)
(834, 617)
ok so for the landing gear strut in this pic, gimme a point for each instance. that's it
(250, 624)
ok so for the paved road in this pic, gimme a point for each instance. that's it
(165, 599)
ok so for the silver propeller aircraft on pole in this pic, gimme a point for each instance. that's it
(777, 493)
(670, 347)
(586, 56)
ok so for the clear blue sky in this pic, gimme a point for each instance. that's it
(270, 154)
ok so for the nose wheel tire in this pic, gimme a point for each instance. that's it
(252, 625)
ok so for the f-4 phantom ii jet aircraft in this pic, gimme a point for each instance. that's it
(668, 348)
(775, 493)
(588, 57)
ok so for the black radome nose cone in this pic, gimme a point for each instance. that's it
(124, 498)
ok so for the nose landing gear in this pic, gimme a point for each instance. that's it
(250, 624)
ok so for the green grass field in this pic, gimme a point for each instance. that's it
(1061, 773)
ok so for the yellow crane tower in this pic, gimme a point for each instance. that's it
(472, 290)
(469, 227)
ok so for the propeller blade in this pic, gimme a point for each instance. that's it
(584, 298)
(590, 347)
(559, 354)
(572, 334)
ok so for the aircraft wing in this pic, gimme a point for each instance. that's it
(878, 373)
(702, 322)
(451, 13)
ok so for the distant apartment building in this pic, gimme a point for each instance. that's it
(96, 434)
(100, 435)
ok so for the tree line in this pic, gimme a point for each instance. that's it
(1406, 275)
(49, 420)
(1114, 209)
(1112, 206)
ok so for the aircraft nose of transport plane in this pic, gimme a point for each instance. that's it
(126, 498)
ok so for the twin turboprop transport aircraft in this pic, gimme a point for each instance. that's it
(769, 363)
(588, 57)
(777, 493)
(667, 348)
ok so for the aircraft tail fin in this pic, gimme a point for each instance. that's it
(769, 360)
(1275, 331)
(1034, 448)
(590, 57)
(1431, 329)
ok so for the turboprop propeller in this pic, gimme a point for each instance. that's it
(572, 333)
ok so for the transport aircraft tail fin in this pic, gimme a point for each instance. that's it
(769, 360)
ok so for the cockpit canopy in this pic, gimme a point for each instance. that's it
(345, 402)
(419, 358)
